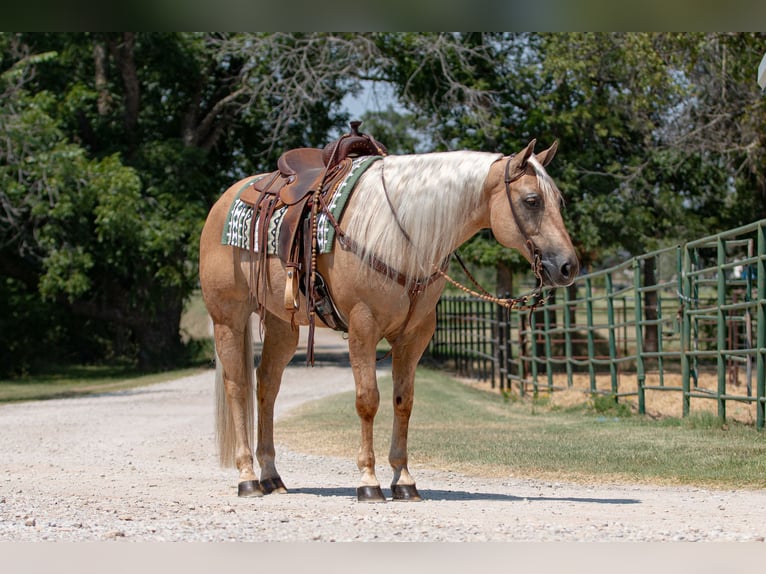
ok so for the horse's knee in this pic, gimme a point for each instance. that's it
(367, 403)
(403, 404)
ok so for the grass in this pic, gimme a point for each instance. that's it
(458, 427)
(81, 381)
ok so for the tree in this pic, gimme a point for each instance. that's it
(45, 182)
(121, 144)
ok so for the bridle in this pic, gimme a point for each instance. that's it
(528, 302)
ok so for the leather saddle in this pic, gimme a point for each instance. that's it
(299, 176)
(305, 179)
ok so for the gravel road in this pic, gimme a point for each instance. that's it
(140, 465)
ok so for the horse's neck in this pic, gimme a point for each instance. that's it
(439, 202)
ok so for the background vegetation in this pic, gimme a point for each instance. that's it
(115, 145)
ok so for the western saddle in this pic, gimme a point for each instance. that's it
(304, 182)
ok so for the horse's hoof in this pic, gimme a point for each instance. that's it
(249, 488)
(405, 492)
(370, 494)
(273, 485)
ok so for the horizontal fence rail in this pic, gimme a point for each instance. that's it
(688, 319)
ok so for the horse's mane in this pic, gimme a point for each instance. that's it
(434, 196)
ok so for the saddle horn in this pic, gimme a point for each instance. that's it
(353, 144)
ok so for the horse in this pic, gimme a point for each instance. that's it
(407, 215)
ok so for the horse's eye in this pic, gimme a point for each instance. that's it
(533, 201)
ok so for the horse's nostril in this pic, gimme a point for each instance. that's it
(566, 270)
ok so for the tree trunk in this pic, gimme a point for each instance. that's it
(504, 280)
(124, 55)
(159, 341)
(156, 335)
(651, 332)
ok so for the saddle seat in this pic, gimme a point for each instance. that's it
(300, 160)
(303, 170)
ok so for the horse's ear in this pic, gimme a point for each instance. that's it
(528, 151)
(545, 156)
(519, 161)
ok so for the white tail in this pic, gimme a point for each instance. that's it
(224, 424)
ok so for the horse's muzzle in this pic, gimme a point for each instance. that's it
(559, 271)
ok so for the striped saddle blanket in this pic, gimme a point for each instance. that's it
(237, 229)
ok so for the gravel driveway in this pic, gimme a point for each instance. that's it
(140, 465)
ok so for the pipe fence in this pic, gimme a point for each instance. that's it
(689, 319)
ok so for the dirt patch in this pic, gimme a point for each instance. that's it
(663, 399)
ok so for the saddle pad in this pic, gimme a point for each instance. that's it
(236, 230)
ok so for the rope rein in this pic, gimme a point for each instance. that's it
(527, 302)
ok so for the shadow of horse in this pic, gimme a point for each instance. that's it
(461, 495)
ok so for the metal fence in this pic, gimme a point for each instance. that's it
(689, 319)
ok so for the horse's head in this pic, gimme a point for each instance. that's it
(525, 214)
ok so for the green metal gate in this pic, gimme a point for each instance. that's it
(670, 321)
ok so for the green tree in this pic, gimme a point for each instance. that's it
(120, 144)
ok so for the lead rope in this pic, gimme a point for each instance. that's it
(514, 303)
(520, 303)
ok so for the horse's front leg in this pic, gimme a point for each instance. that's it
(279, 343)
(363, 336)
(406, 355)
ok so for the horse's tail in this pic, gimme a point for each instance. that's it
(224, 424)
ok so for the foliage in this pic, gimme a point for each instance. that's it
(608, 405)
(115, 147)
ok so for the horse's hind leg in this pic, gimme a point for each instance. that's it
(406, 355)
(234, 390)
(279, 344)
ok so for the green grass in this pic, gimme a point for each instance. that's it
(82, 381)
(458, 427)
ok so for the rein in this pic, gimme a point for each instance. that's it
(527, 302)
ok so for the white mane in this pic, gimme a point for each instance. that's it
(434, 196)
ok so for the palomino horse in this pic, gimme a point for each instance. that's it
(409, 214)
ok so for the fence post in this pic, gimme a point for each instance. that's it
(612, 343)
(639, 313)
(590, 333)
(523, 336)
(497, 352)
(568, 338)
(721, 326)
(761, 336)
(686, 328)
(547, 339)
